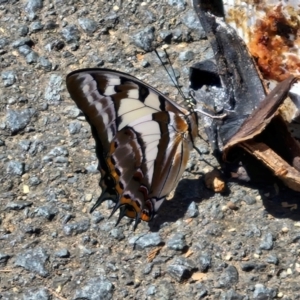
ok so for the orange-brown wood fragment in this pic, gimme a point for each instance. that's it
(153, 253)
(289, 175)
(214, 181)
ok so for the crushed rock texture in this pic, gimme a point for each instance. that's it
(51, 247)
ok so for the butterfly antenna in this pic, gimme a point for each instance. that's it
(173, 78)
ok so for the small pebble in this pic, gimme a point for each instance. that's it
(267, 242)
(176, 242)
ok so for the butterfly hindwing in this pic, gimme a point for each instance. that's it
(142, 138)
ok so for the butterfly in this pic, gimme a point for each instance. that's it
(143, 139)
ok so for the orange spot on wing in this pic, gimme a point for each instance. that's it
(181, 124)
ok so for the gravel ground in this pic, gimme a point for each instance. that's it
(240, 245)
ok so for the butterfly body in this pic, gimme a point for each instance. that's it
(143, 139)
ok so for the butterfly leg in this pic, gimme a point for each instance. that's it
(136, 222)
(103, 197)
(121, 215)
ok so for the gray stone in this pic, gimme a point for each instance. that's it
(151, 290)
(45, 63)
(186, 55)
(176, 242)
(97, 217)
(145, 63)
(214, 229)
(156, 272)
(180, 4)
(95, 288)
(3, 258)
(34, 181)
(25, 144)
(179, 260)
(24, 50)
(178, 272)
(229, 277)
(204, 262)
(31, 229)
(32, 6)
(66, 218)
(231, 295)
(192, 211)
(36, 147)
(37, 294)
(52, 92)
(296, 238)
(181, 268)
(73, 112)
(8, 77)
(93, 168)
(71, 34)
(36, 26)
(253, 231)
(55, 45)
(191, 20)
(46, 211)
(33, 260)
(272, 259)
(60, 160)
(145, 240)
(117, 233)
(59, 151)
(89, 26)
(3, 42)
(261, 292)
(15, 168)
(250, 200)
(62, 253)
(21, 42)
(32, 57)
(166, 35)
(84, 251)
(148, 268)
(144, 38)
(76, 227)
(74, 127)
(18, 205)
(203, 148)
(165, 291)
(18, 120)
(201, 291)
(50, 25)
(267, 242)
(107, 226)
(177, 35)
(249, 266)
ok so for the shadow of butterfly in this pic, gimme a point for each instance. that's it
(143, 139)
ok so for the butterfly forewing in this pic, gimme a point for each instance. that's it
(142, 138)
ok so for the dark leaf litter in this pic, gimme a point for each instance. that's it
(50, 246)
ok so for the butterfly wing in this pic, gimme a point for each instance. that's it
(142, 138)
